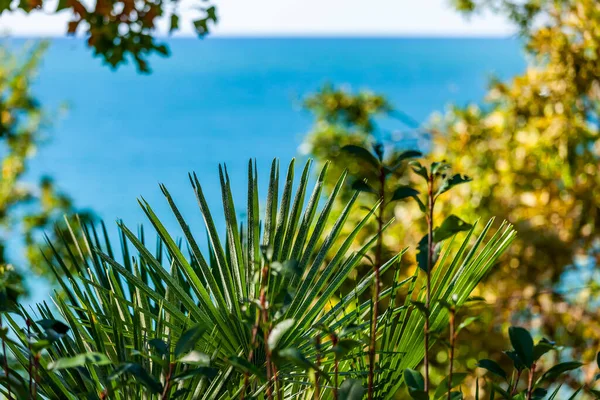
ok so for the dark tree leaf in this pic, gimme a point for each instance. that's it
(174, 23)
(54, 325)
(493, 367)
(421, 307)
(519, 365)
(351, 389)
(560, 369)
(522, 342)
(243, 365)
(188, 340)
(295, 356)
(415, 383)
(414, 380)
(207, 372)
(541, 348)
(420, 170)
(362, 154)
(140, 375)
(160, 346)
(423, 253)
(452, 181)
(450, 227)
(404, 192)
(344, 346)
(363, 186)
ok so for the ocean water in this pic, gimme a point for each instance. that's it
(227, 100)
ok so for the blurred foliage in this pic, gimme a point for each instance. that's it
(534, 153)
(344, 118)
(116, 29)
(27, 209)
(534, 149)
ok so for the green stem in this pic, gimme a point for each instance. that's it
(262, 301)
(5, 362)
(266, 330)
(36, 365)
(336, 365)
(30, 367)
(318, 364)
(430, 245)
(377, 285)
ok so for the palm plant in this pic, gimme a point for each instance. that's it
(241, 316)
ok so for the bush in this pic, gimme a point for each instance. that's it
(258, 312)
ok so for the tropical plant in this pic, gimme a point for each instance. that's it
(250, 314)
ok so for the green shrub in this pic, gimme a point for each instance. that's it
(255, 313)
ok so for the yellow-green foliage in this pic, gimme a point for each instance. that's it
(26, 207)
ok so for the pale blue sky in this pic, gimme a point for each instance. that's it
(305, 17)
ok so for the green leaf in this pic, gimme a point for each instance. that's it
(188, 340)
(196, 358)
(160, 346)
(468, 321)
(344, 346)
(423, 253)
(450, 227)
(174, 25)
(541, 348)
(296, 357)
(457, 379)
(560, 369)
(62, 5)
(363, 154)
(414, 380)
(362, 186)
(140, 375)
(438, 168)
(522, 342)
(404, 192)
(493, 367)
(518, 363)
(207, 372)
(419, 305)
(419, 169)
(452, 181)
(351, 389)
(79, 360)
(539, 393)
(278, 331)
(243, 365)
(54, 329)
(405, 155)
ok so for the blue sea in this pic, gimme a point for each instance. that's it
(225, 100)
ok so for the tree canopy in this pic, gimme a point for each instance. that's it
(121, 29)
